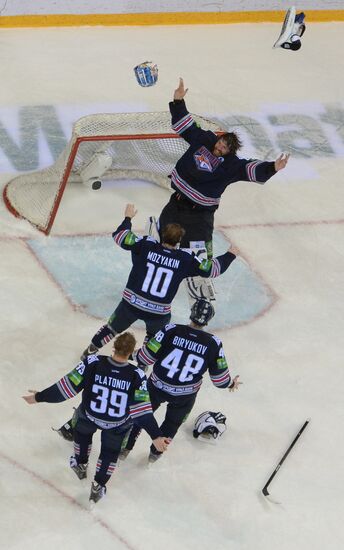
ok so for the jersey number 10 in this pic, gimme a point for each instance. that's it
(157, 280)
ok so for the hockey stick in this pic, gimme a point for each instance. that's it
(265, 488)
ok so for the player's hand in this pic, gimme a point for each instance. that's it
(161, 443)
(130, 211)
(235, 383)
(234, 250)
(180, 92)
(30, 399)
(282, 161)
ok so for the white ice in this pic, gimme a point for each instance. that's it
(290, 359)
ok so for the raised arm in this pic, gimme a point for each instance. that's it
(180, 92)
(182, 121)
(123, 236)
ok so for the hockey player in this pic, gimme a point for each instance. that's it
(180, 355)
(203, 173)
(199, 178)
(157, 272)
(113, 394)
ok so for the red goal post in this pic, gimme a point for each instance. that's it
(124, 145)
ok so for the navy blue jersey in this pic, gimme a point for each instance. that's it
(158, 271)
(181, 355)
(201, 176)
(112, 393)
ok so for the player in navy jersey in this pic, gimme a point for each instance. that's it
(158, 269)
(114, 393)
(181, 355)
(203, 173)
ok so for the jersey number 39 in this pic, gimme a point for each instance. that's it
(111, 402)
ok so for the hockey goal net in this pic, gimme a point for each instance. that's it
(102, 147)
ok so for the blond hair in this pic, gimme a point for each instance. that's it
(124, 344)
(172, 234)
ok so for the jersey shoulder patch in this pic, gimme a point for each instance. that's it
(150, 239)
(140, 372)
(217, 340)
(91, 359)
(169, 326)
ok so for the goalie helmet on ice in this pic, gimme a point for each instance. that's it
(292, 30)
(146, 73)
(210, 424)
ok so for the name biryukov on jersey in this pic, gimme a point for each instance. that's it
(188, 344)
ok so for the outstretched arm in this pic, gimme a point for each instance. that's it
(260, 171)
(235, 383)
(31, 398)
(212, 268)
(66, 388)
(282, 161)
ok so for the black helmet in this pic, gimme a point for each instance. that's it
(201, 312)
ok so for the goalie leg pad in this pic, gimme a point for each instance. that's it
(152, 228)
(198, 287)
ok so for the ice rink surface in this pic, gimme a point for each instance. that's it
(288, 352)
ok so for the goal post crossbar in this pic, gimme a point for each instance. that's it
(74, 153)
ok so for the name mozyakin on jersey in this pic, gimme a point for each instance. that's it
(159, 259)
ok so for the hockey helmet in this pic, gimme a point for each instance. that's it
(201, 312)
(210, 424)
(146, 73)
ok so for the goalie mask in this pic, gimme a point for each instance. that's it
(146, 74)
(210, 425)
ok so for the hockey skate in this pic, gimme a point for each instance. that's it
(66, 431)
(79, 469)
(124, 454)
(90, 350)
(199, 288)
(97, 492)
(154, 456)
